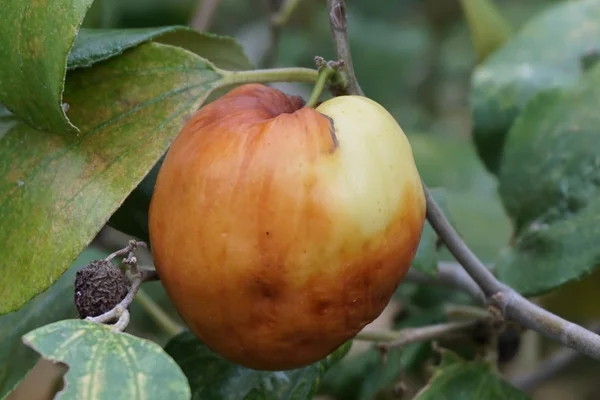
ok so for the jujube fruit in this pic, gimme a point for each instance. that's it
(279, 231)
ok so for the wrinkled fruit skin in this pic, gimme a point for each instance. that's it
(279, 231)
(99, 287)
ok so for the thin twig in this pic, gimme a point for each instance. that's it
(463, 311)
(459, 249)
(339, 32)
(550, 367)
(503, 301)
(120, 309)
(133, 244)
(123, 321)
(204, 15)
(392, 339)
(449, 274)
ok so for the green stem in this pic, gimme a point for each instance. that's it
(324, 75)
(269, 75)
(158, 314)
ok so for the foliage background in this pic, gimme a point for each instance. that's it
(416, 58)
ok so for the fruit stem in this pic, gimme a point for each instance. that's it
(159, 315)
(269, 75)
(326, 70)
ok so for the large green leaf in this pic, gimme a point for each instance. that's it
(132, 217)
(53, 305)
(382, 377)
(457, 380)
(105, 365)
(550, 183)
(35, 38)
(94, 45)
(545, 54)
(57, 191)
(214, 378)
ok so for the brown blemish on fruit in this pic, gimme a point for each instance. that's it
(266, 290)
(334, 138)
(322, 307)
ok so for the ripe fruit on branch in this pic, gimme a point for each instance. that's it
(279, 231)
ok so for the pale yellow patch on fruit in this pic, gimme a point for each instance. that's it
(373, 166)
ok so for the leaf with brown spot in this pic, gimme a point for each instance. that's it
(57, 191)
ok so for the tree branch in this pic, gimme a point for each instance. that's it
(120, 311)
(550, 367)
(459, 249)
(392, 339)
(137, 277)
(339, 32)
(449, 274)
(503, 301)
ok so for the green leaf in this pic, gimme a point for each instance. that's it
(426, 259)
(35, 39)
(212, 377)
(57, 191)
(548, 256)
(550, 182)
(383, 376)
(107, 365)
(364, 376)
(132, 216)
(95, 45)
(53, 305)
(545, 54)
(457, 379)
